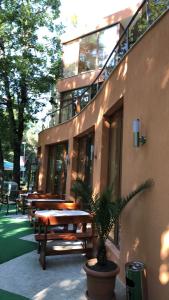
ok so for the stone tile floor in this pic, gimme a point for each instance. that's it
(63, 279)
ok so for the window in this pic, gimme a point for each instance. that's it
(115, 153)
(107, 40)
(67, 106)
(90, 51)
(38, 167)
(70, 58)
(57, 168)
(85, 158)
(69, 101)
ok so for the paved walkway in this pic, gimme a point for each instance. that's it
(63, 279)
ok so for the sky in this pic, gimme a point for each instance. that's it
(89, 12)
(92, 11)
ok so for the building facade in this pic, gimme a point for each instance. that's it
(94, 137)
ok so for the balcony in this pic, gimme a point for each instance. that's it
(145, 17)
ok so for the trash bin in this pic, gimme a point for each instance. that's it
(136, 281)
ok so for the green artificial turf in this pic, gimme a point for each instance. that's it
(11, 246)
(9, 296)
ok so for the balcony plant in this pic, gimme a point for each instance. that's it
(101, 273)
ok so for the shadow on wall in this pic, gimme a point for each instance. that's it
(136, 244)
(123, 69)
(165, 80)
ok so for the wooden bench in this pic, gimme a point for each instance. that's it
(22, 200)
(47, 205)
(84, 233)
(45, 196)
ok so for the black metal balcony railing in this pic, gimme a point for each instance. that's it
(145, 16)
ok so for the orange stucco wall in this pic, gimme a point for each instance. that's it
(77, 81)
(141, 82)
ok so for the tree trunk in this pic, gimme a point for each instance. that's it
(16, 161)
(16, 126)
(1, 167)
(1, 157)
(101, 255)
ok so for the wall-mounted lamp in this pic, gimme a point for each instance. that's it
(137, 139)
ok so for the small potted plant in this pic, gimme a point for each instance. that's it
(101, 273)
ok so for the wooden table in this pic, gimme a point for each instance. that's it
(42, 204)
(83, 231)
(54, 217)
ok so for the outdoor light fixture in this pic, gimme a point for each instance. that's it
(137, 139)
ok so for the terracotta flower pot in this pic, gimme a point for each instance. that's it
(100, 285)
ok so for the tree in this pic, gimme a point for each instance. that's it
(28, 65)
(4, 140)
(149, 14)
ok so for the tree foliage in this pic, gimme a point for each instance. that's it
(28, 64)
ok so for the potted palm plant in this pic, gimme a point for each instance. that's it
(82, 192)
(101, 272)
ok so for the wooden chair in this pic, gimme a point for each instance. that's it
(8, 199)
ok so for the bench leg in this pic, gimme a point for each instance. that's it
(16, 207)
(42, 257)
(35, 226)
(39, 247)
(7, 209)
